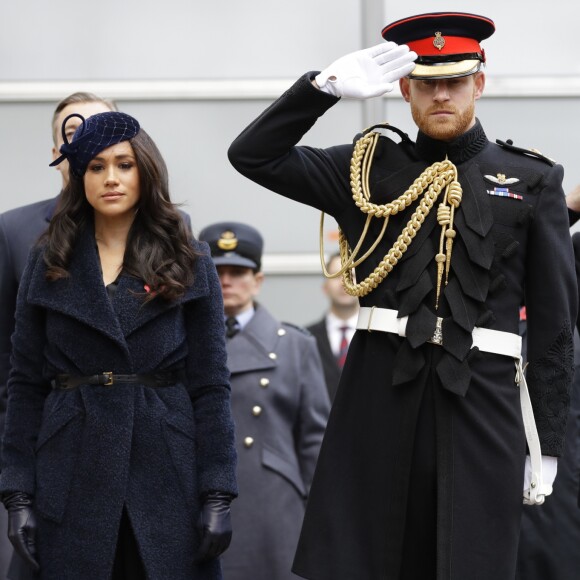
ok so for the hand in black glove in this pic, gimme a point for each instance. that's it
(214, 525)
(21, 525)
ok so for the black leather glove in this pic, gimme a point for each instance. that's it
(21, 525)
(214, 525)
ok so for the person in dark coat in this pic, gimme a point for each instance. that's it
(118, 451)
(550, 535)
(423, 471)
(280, 408)
(20, 228)
(335, 330)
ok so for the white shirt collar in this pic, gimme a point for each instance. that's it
(244, 317)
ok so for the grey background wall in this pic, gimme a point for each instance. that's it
(196, 73)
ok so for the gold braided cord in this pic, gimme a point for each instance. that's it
(350, 261)
(439, 176)
(445, 215)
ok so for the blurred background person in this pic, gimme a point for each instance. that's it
(335, 330)
(280, 408)
(19, 230)
(550, 534)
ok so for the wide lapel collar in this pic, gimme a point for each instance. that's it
(82, 295)
(251, 349)
(134, 313)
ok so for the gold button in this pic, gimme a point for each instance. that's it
(264, 382)
(256, 410)
(281, 332)
(248, 442)
(273, 355)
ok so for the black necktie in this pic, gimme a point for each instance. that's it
(232, 326)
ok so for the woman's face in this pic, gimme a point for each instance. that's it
(112, 182)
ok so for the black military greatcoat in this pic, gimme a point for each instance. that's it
(423, 456)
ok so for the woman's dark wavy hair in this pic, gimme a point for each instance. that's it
(158, 249)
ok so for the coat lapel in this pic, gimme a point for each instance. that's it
(250, 349)
(83, 294)
(130, 309)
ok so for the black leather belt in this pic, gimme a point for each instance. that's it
(108, 379)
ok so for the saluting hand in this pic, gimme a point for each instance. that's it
(367, 73)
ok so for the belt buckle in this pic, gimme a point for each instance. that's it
(109, 378)
(437, 337)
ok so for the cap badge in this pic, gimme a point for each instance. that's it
(228, 241)
(438, 41)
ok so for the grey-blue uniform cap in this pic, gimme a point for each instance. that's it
(234, 244)
(94, 134)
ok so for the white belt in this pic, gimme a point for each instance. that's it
(486, 340)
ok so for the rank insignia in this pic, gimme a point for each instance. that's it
(438, 41)
(504, 192)
(227, 241)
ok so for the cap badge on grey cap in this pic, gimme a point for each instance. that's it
(227, 241)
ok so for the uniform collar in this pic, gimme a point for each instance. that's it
(244, 317)
(457, 151)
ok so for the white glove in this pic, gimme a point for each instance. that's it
(367, 73)
(549, 470)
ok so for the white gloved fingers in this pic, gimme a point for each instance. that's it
(397, 51)
(400, 72)
(527, 473)
(549, 469)
(366, 73)
(544, 479)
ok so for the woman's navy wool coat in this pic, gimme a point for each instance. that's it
(87, 453)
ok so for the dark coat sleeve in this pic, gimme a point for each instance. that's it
(551, 304)
(27, 390)
(576, 246)
(266, 151)
(8, 291)
(208, 384)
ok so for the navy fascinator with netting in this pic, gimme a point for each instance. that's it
(92, 136)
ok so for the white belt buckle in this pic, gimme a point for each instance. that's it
(437, 337)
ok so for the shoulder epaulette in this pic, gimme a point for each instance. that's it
(404, 137)
(529, 152)
(301, 329)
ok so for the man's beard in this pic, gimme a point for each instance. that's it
(443, 130)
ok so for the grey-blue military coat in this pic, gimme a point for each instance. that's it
(280, 406)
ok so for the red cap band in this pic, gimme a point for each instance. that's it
(451, 45)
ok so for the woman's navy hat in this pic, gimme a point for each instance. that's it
(234, 244)
(94, 134)
(447, 43)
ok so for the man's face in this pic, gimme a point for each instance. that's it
(239, 288)
(334, 289)
(84, 109)
(443, 109)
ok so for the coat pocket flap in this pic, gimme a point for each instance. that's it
(181, 423)
(288, 470)
(56, 421)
